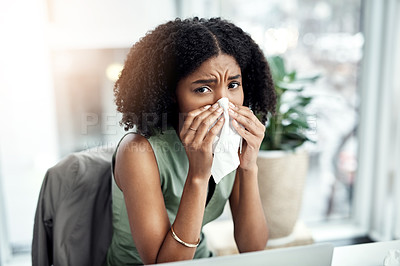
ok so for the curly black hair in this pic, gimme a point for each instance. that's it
(156, 63)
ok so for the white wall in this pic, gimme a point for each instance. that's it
(103, 23)
(28, 142)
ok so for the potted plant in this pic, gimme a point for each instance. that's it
(282, 160)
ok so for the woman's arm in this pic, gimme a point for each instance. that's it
(137, 175)
(250, 226)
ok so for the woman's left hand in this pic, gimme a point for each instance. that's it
(252, 133)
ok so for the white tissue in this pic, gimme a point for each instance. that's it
(393, 258)
(225, 146)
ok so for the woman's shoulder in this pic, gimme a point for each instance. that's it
(157, 151)
(134, 157)
(133, 146)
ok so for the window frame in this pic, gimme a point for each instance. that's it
(374, 202)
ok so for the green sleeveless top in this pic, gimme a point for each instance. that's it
(173, 167)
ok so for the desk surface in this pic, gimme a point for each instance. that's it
(371, 254)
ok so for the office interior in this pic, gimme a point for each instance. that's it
(59, 61)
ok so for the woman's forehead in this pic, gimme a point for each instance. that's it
(222, 63)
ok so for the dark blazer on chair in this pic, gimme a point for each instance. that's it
(73, 221)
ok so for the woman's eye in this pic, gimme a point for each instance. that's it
(234, 85)
(202, 90)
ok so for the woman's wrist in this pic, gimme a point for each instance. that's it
(251, 169)
(198, 179)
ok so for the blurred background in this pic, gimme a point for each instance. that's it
(60, 59)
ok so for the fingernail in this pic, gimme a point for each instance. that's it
(232, 112)
(220, 110)
(234, 122)
(206, 107)
(231, 104)
(215, 105)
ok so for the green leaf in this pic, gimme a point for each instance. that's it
(296, 110)
(310, 79)
(289, 86)
(291, 144)
(299, 101)
(296, 136)
(277, 67)
(305, 100)
(290, 77)
(300, 122)
(292, 128)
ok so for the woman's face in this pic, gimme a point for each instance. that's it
(217, 77)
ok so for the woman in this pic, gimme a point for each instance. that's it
(168, 90)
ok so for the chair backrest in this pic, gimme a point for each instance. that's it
(73, 221)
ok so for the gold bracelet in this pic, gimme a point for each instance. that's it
(183, 242)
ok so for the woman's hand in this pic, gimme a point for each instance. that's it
(252, 133)
(198, 141)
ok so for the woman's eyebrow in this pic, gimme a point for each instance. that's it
(201, 81)
(234, 77)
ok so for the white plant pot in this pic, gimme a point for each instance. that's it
(281, 178)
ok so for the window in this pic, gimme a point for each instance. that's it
(317, 37)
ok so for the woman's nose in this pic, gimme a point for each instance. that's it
(220, 93)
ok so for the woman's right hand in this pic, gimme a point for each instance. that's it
(198, 139)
